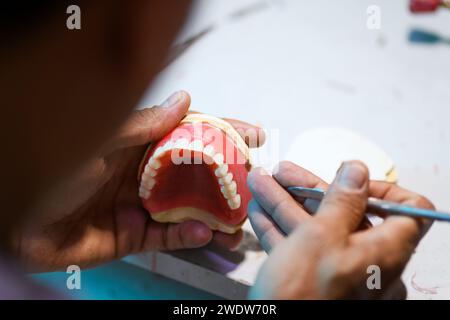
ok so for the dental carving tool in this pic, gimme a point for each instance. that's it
(374, 205)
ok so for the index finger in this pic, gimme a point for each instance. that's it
(275, 200)
(391, 244)
(392, 192)
(289, 174)
(398, 233)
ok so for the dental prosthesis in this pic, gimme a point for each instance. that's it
(197, 172)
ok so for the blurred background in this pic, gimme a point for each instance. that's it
(293, 66)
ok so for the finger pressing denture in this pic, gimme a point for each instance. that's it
(197, 172)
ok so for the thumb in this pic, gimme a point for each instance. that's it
(153, 123)
(344, 204)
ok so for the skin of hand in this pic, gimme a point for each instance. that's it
(96, 215)
(327, 255)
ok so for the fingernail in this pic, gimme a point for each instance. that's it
(173, 99)
(351, 175)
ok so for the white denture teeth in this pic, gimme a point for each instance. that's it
(196, 145)
(235, 202)
(232, 185)
(149, 171)
(154, 163)
(226, 180)
(225, 193)
(209, 151)
(229, 191)
(228, 186)
(148, 183)
(168, 146)
(181, 144)
(218, 159)
(221, 171)
(143, 193)
(158, 152)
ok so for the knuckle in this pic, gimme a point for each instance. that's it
(144, 116)
(280, 208)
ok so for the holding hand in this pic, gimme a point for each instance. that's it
(96, 216)
(326, 256)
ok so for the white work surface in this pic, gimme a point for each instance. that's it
(297, 65)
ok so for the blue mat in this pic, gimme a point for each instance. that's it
(120, 280)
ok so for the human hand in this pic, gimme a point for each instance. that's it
(326, 256)
(96, 216)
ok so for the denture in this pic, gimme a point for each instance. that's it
(197, 172)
